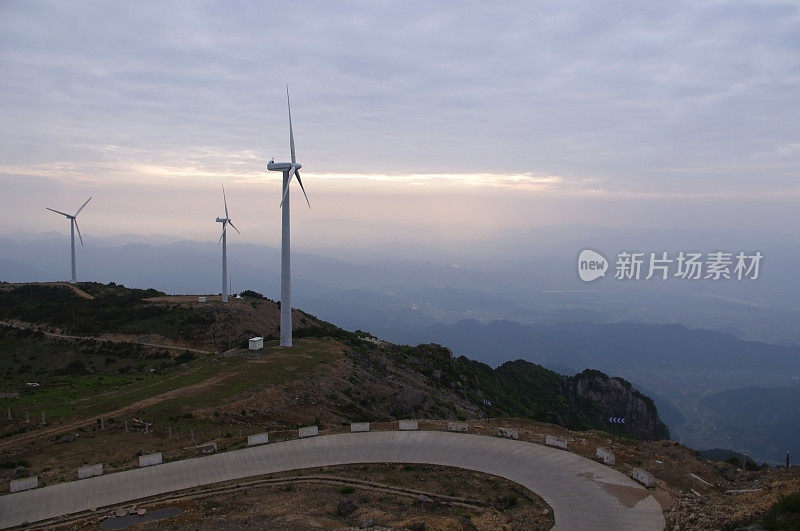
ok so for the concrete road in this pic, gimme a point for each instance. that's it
(583, 494)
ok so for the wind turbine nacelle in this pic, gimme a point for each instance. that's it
(279, 166)
(222, 220)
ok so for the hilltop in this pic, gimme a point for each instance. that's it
(110, 330)
(119, 372)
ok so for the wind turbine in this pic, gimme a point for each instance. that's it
(224, 239)
(289, 169)
(73, 224)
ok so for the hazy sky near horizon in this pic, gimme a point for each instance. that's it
(462, 117)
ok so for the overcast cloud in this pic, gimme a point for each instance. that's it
(602, 100)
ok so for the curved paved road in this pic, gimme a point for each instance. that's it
(583, 494)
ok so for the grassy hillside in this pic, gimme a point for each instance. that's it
(125, 345)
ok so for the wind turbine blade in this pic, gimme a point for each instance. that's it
(58, 212)
(288, 181)
(221, 234)
(75, 221)
(291, 133)
(303, 189)
(83, 205)
(234, 227)
(225, 200)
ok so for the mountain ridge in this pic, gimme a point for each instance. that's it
(443, 386)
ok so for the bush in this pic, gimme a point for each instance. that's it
(785, 514)
(252, 294)
(347, 489)
(76, 367)
(507, 502)
(185, 357)
(13, 464)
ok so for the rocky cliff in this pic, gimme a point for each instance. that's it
(617, 398)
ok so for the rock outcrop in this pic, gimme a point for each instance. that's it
(617, 398)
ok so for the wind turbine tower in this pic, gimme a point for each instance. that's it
(73, 224)
(224, 239)
(289, 169)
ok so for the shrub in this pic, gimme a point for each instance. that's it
(252, 294)
(785, 514)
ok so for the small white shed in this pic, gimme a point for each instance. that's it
(256, 343)
(201, 299)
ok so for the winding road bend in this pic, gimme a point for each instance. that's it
(583, 494)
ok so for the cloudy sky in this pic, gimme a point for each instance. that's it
(464, 117)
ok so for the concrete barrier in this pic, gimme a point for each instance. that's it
(258, 438)
(457, 426)
(90, 470)
(605, 456)
(406, 425)
(359, 426)
(557, 442)
(17, 485)
(701, 480)
(508, 433)
(206, 448)
(643, 477)
(150, 459)
(308, 431)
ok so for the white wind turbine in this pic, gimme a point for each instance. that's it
(289, 169)
(73, 224)
(224, 239)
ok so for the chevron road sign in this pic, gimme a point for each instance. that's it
(616, 420)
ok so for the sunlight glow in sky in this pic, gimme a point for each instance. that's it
(482, 115)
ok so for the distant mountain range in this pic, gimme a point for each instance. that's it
(696, 377)
(758, 421)
(608, 346)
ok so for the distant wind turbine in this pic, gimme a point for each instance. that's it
(224, 239)
(73, 224)
(289, 169)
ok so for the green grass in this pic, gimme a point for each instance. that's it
(306, 355)
(77, 397)
(90, 395)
